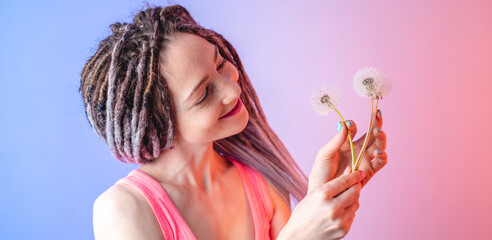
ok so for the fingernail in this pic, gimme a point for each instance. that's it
(339, 126)
(362, 174)
(350, 123)
(379, 113)
(379, 130)
(379, 152)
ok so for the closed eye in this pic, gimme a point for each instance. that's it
(222, 64)
(205, 95)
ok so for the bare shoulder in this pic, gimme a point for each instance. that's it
(281, 210)
(275, 195)
(122, 213)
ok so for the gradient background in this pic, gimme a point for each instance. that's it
(438, 54)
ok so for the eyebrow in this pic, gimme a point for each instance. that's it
(203, 80)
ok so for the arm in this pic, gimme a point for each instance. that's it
(120, 213)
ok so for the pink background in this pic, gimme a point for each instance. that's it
(438, 117)
(438, 54)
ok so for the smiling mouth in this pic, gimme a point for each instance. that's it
(235, 110)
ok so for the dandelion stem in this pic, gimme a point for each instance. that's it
(368, 134)
(349, 137)
(377, 105)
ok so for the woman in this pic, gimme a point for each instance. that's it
(173, 97)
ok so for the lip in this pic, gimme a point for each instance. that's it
(235, 110)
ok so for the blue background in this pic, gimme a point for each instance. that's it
(436, 53)
(53, 164)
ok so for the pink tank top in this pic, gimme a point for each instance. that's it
(172, 223)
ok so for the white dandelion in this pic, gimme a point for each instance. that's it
(369, 82)
(386, 87)
(324, 100)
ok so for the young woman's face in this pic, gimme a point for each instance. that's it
(204, 90)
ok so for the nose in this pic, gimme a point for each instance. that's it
(230, 88)
(231, 91)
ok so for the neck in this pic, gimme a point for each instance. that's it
(192, 166)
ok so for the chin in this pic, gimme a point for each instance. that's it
(240, 122)
(244, 120)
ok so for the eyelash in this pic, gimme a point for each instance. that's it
(204, 97)
(221, 65)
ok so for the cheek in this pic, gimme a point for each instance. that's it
(231, 72)
(195, 128)
(235, 74)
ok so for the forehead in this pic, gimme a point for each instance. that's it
(185, 61)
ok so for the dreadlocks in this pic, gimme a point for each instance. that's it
(128, 103)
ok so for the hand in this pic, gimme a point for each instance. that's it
(327, 212)
(375, 150)
(335, 156)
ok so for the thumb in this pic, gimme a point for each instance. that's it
(326, 163)
(330, 149)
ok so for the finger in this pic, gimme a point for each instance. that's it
(342, 183)
(349, 196)
(380, 161)
(379, 119)
(378, 123)
(348, 169)
(349, 212)
(358, 143)
(326, 163)
(330, 149)
(378, 144)
(371, 163)
(378, 136)
(353, 207)
(352, 127)
(366, 166)
(379, 140)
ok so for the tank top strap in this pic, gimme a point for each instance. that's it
(258, 198)
(172, 224)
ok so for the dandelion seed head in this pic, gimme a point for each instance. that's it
(324, 100)
(370, 82)
(386, 88)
